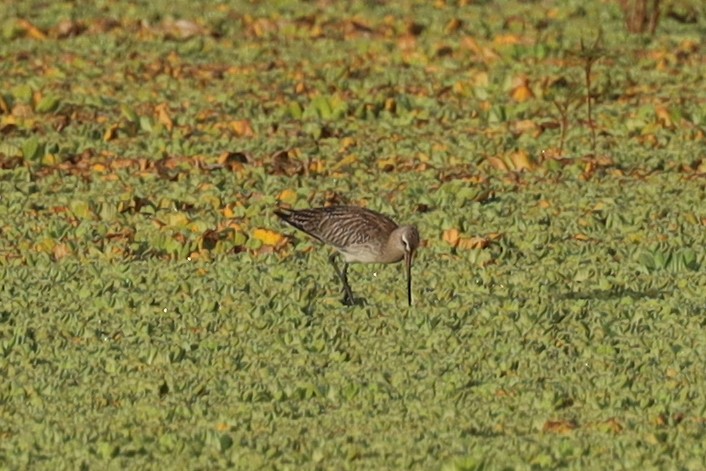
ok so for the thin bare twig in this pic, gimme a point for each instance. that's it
(590, 55)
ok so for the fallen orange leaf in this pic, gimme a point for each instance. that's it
(228, 212)
(4, 106)
(559, 426)
(222, 427)
(287, 196)
(507, 39)
(451, 236)
(664, 117)
(453, 25)
(268, 237)
(110, 133)
(469, 243)
(242, 127)
(32, 30)
(347, 160)
(521, 93)
(317, 166)
(201, 254)
(390, 105)
(316, 32)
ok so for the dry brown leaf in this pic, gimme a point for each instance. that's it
(611, 425)
(701, 167)
(484, 52)
(386, 165)
(521, 160)
(526, 126)
(663, 117)
(504, 393)
(68, 28)
(346, 143)
(286, 162)
(316, 31)
(209, 239)
(407, 43)
(497, 163)
(390, 105)
(470, 43)
(185, 28)
(233, 160)
(559, 426)
(201, 254)
(163, 117)
(22, 110)
(61, 250)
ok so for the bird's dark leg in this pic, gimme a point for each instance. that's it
(348, 299)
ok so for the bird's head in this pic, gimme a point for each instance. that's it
(409, 236)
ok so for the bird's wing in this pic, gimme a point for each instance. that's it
(340, 226)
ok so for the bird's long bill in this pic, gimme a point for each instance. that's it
(408, 266)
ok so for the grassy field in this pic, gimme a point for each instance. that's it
(155, 314)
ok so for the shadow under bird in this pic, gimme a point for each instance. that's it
(360, 236)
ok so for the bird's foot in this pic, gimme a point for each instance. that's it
(352, 301)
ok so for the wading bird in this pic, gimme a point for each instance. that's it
(360, 235)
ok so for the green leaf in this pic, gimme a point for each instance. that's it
(48, 104)
(129, 114)
(22, 93)
(32, 149)
(295, 110)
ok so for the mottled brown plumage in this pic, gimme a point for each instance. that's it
(360, 235)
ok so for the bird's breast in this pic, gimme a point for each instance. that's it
(369, 254)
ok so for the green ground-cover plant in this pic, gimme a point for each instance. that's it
(154, 314)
